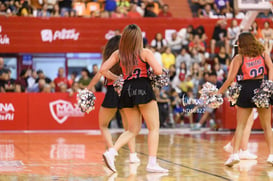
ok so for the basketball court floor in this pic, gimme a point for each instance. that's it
(77, 156)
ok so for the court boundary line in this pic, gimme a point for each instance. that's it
(182, 165)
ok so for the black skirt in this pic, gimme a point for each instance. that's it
(135, 92)
(111, 99)
(247, 92)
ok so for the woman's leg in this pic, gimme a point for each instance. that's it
(134, 125)
(242, 117)
(265, 119)
(105, 116)
(150, 114)
(132, 142)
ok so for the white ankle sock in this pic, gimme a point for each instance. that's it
(133, 155)
(152, 160)
(113, 151)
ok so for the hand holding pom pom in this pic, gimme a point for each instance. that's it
(86, 100)
(233, 92)
(159, 80)
(118, 85)
(210, 97)
(262, 95)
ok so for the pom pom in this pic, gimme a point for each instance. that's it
(209, 96)
(233, 92)
(86, 100)
(159, 80)
(118, 84)
(262, 95)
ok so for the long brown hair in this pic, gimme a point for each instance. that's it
(111, 46)
(249, 45)
(130, 47)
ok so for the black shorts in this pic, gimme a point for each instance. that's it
(135, 92)
(247, 92)
(111, 99)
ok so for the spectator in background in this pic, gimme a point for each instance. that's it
(163, 101)
(99, 85)
(149, 10)
(184, 56)
(222, 58)
(133, 13)
(85, 78)
(206, 12)
(186, 34)
(41, 75)
(174, 43)
(256, 31)
(233, 32)
(72, 79)
(110, 6)
(200, 31)
(267, 36)
(219, 36)
(9, 85)
(219, 5)
(168, 58)
(196, 44)
(165, 12)
(44, 12)
(60, 80)
(36, 6)
(25, 9)
(50, 5)
(3, 80)
(21, 82)
(118, 13)
(31, 80)
(56, 11)
(65, 7)
(159, 43)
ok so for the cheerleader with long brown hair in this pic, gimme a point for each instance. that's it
(253, 64)
(137, 97)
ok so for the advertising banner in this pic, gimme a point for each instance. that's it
(59, 111)
(13, 111)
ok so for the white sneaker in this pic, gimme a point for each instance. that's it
(109, 161)
(246, 155)
(228, 148)
(270, 159)
(233, 159)
(156, 169)
(133, 158)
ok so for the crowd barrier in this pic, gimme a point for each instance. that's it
(59, 111)
(43, 111)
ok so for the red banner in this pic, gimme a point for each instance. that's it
(61, 35)
(60, 111)
(13, 111)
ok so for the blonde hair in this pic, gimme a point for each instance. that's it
(130, 47)
(249, 45)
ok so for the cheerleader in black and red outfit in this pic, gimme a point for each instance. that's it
(137, 96)
(253, 63)
(110, 103)
(244, 153)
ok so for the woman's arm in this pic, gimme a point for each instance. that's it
(269, 65)
(104, 70)
(234, 68)
(94, 81)
(148, 57)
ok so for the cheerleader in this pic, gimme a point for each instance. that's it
(253, 64)
(137, 97)
(110, 103)
(244, 153)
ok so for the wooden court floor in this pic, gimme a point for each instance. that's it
(71, 156)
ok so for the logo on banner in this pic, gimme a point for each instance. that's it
(61, 110)
(4, 38)
(6, 112)
(49, 35)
